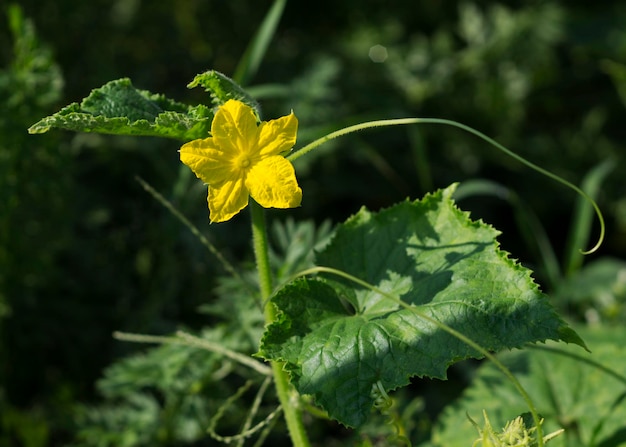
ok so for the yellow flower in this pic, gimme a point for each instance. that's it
(243, 158)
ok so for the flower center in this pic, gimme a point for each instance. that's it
(242, 161)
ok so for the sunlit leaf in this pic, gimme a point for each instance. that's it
(338, 339)
(119, 108)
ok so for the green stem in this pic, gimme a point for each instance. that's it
(293, 415)
(261, 254)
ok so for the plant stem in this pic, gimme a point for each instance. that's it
(293, 415)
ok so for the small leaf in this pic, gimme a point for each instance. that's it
(222, 88)
(119, 108)
(338, 339)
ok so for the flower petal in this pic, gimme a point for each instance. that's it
(227, 199)
(272, 183)
(207, 161)
(278, 136)
(235, 129)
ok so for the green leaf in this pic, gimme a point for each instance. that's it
(583, 393)
(222, 88)
(338, 339)
(119, 108)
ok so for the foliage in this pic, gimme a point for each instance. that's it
(580, 392)
(170, 394)
(29, 84)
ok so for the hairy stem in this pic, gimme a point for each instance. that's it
(293, 415)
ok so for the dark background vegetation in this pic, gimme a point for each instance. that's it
(85, 251)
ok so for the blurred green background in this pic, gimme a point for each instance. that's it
(85, 251)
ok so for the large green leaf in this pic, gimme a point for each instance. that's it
(584, 393)
(338, 339)
(119, 108)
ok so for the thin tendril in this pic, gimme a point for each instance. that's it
(404, 121)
